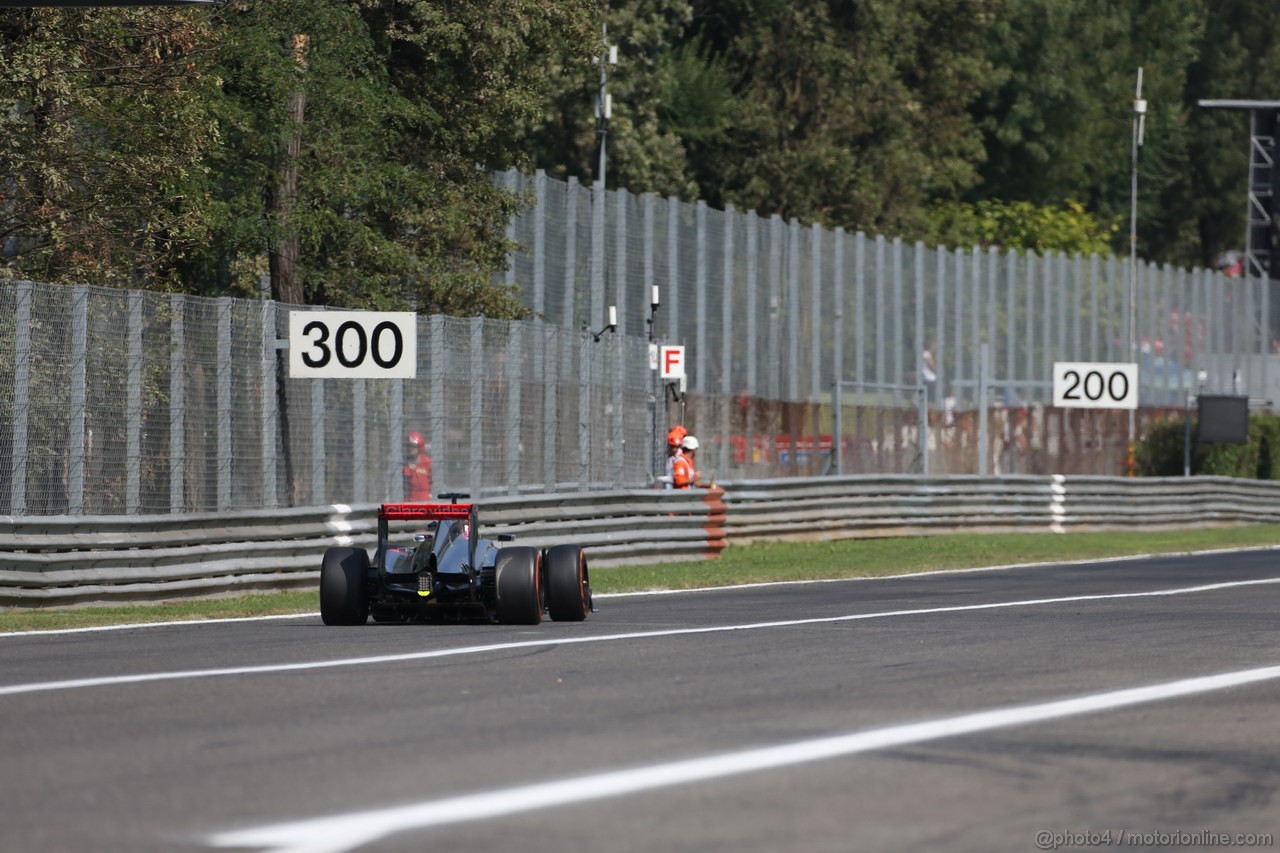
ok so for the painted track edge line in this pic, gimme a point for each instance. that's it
(652, 592)
(345, 832)
(337, 663)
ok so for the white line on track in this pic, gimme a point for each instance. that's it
(142, 678)
(339, 833)
(728, 587)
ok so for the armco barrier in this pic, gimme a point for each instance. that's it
(66, 560)
(826, 508)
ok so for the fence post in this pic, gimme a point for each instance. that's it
(270, 422)
(984, 359)
(223, 397)
(550, 405)
(177, 405)
(584, 410)
(440, 460)
(1030, 338)
(613, 361)
(727, 296)
(993, 283)
(753, 282)
(620, 300)
(773, 351)
(899, 315)
(837, 350)
(958, 332)
(815, 313)
(654, 453)
(792, 391)
(570, 307)
(614, 352)
(133, 407)
(599, 198)
(921, 341)
(882, 367)
(673, 271)
(1062, 289)
(318, 496)
(21, 399)
(359, 440)
(539, 244)
(392, 467)
(79, 388)
(700, 311)
(1011, 320)
(859, 316)
(476, 450)
(942, 364)
(513, 379)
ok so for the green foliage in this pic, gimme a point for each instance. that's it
(148, 146)
(1059, 122)
(852, 114)
(1019, 226)
(402, 101)
(103, 121)
(1160, 453)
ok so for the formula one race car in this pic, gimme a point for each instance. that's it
(451, 571)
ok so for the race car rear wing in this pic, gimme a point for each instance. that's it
(424, 512)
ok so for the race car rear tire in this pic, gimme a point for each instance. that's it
(343, 598)
(518, 582)
(568, 587)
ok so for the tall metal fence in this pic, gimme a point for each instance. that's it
(123, 402)
(778, 309)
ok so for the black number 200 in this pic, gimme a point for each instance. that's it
(1094, 385)
(371, 346)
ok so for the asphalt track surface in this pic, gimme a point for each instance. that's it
(914, 713)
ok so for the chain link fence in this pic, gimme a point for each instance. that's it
(122, 402)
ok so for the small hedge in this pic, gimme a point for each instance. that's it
(1160, 451)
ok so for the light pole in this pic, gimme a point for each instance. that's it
(604, 101)
(1139, 125)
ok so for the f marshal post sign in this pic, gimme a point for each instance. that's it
(671, 362)
(353, 345)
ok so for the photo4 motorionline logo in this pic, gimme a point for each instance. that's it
(1047, 840)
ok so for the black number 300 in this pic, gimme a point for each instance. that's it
(371, 346)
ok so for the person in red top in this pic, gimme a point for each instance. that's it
(417, 468)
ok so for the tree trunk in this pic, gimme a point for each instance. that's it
(286, 282)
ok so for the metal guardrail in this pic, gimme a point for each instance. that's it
(65, 560)
(825, 508)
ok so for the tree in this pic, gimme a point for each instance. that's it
(647, 151)
(854, 113)
(1021, 226)
(103, 124)
(1057, 124)
(402, 101)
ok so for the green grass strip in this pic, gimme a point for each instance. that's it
(757, 563)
